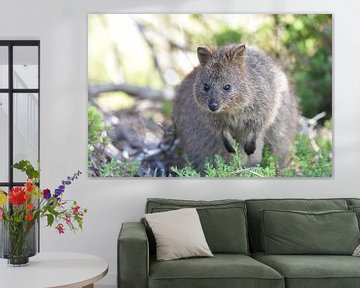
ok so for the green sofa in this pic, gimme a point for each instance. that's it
(234, 230)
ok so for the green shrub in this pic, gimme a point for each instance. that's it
(303, 45)
(97, 142)
(96, 127)
(125, 168)
(305, 162)
(309, 163)
(186, 171)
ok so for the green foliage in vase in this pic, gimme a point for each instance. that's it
(26, 167)
(25, 204)
(22, 207)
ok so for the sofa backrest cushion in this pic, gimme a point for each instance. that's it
(354, 205)
(223, 221)
(353, 202)
(298, 232)
(256, 205)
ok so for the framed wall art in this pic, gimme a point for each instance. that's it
(210, 95)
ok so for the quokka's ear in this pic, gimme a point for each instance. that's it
(237, 53)
(204, 54)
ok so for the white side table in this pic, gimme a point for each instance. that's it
(60, 270)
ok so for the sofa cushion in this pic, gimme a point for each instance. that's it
(223, 221)
(353, 201)
(297, 232)
(222, 270)
(354, 205)
(313, 271)
(178, 234)
(356, 209)
(254, 217)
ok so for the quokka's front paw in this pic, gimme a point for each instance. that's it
(250, 147)
(228, 141)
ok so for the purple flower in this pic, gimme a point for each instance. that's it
(58, 192)
(68, 181)
(46, 194)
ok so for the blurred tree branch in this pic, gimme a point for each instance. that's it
(142, 29)
(132, 90)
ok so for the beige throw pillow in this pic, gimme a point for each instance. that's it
(178, 234)
(357, 251)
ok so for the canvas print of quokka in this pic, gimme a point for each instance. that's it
(212, 95)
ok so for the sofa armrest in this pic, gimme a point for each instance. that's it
(133, 256)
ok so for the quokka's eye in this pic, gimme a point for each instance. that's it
(227, 87)
(206, 87)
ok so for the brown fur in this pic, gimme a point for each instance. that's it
(258, 108)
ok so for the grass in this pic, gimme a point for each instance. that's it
(306, 162)
(97, 141)
(114, 168)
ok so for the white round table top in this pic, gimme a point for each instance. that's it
(61, 269)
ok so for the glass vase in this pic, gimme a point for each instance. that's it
(18, 242)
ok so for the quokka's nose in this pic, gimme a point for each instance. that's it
(213, 105)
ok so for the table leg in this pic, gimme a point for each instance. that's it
(89, 286)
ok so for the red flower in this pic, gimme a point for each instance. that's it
(27, 196)
(75, 209)
(68, 219)
(29, 187)
(29, 206)
(29, 217)
(17, 196)
(60, 228)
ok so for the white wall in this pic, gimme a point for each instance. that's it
(3, 71)
(4, 124)
(62, 28)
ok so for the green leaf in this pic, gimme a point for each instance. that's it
(52, 211)
(50, 219)
(26, 167)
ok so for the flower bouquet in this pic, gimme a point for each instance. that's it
(23, 206)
